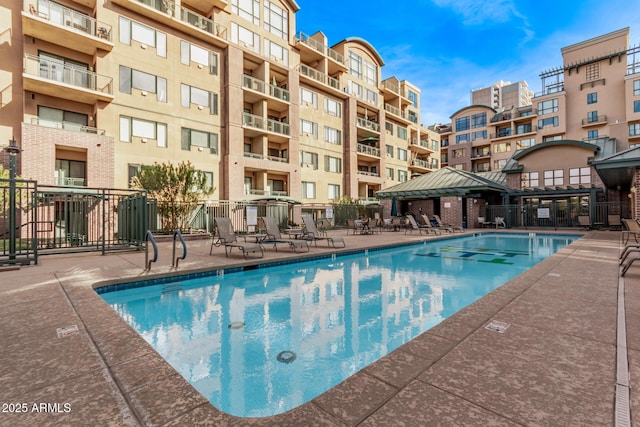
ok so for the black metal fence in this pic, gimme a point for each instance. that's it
(38, 220)
(558, 214)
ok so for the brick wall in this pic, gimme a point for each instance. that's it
(453, 213)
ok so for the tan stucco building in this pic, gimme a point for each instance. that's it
(90, 90)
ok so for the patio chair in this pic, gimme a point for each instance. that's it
(631, 228)
(584, 221)
(614, 222)
(311, 233)
(499, 221)
(413, 225)
(449, 227)
(228, 239)
(355, 225)
(274, 237)
(482, 222)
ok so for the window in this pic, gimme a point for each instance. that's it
(502, 147)
(402, 154)
(552, 138)
(461, 139)
(402, 175)
(499, 164)
(332, 164)
(333, 191)
(479, 120)
(524, 128)
(308, 190)
(134, 79)
(308, 158)
(389, 172)
(504, 131)
(592, 134)
(636, 88)
(592, 116)
(548, 122)
(64, 70)
(413, 97)
(308, 128)
(389, 149)
(308, 97)
(276, 20)
(554, 177)
(244, 37)
(62, 119)
(457, 154)
(636, 106)
(462, 123)
(132, 127)
(389, 127)
(546, 107)
(191, 53)
(132, 170)
(200, 97)
(592, 98)
(370, 74)
(131, 30)
(70, 172)
(332, 136)
(355, 65)
(525, 143)
(402, 132)
(529, 179)
(200, 139)
(580, 176)
(371, 96)
(634, 129)
(332, 107)
(247, 9)
(275, 51)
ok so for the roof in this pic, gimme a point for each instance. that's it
(618, 169)
(446, 182)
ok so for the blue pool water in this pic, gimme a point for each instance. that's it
(260, 342)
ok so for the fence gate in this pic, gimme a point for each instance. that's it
(19, 225)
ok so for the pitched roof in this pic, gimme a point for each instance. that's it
(446, 182)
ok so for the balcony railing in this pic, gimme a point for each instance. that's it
(477, 154)
(70, 126)
(68, 18)
(325, 50)
(257, 192)
(187, 16)
(277, 159)
(394, 110)
(70, 182)
(368, 173)
(252, 83)
(279, 93)
(316, 75)
(278, 127)
(594, 120)
(420, 163)
(368, 124)
(259, 122)
(56, 71)
(366, 149)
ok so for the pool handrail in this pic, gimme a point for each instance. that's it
(149, 238)
(184, 249)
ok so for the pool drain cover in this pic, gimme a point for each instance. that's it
(236, 325)
(497, 326)
(286, 356)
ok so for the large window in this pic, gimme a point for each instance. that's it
(247, 9)
(191, 53)
(332, 107)
(355, 65)
(244, 37)
(592, 116)
(524, 128)
(461, 139)
(146, 130)
(479, 120)
(308, 158)
(332, 164)
(402, 175)
(402, 132)
(499, 164)
(200, 97)
(554, 177)
(308, 190)
(580, 176)
(308, 128)
(525, 143)
(462, 123)
(333, 192)
(145, 82)
(308, 97)
(413, 97)
(276, 51)
(502, 147)
(131, 30)
(200, 139)
(56, 118)
(546, 107)
(529, 179)
(276, 20)
(370, 74)
(332, 135)
(634, 129)
(548, 122)
(402, 154)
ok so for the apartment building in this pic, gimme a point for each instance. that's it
(92, 90)
(503, 95)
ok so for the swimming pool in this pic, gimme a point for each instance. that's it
(260, 342)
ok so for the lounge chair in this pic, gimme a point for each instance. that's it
(584, 222)
(413, 225)
(482, 222)
(499, 221)
(311, 233)
(631, 228)
(355, 225)
(274, 237)
(614, 222)
(228, 239)
(428, 224)
(449, 227)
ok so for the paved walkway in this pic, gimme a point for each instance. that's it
(554, 365)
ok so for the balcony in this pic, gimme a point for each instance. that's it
(70, 126)
(260, 88)
(594, 121)
(422, 145)
(259, 125)
(368, 150)
(368, 124)
(258, 192)
(66, 27)
(480, 154)
(259, 156)
(312, 49)
(398, 113)
(65, 81)
(69, 181)
(502, 133)
(175, 16)
(368, 173)
(419, 164)
(318, 77)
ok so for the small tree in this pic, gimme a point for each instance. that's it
(177, 190)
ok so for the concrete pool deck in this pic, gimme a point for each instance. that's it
(554, 365)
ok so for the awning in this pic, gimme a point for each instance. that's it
(266, 198)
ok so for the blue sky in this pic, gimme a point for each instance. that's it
(450, 47)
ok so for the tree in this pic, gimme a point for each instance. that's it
(176, 189)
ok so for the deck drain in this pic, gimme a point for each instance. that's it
(497, 326)
(67, 330)
(286, 356)
(236, 325)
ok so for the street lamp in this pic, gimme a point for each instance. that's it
(13, 150)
